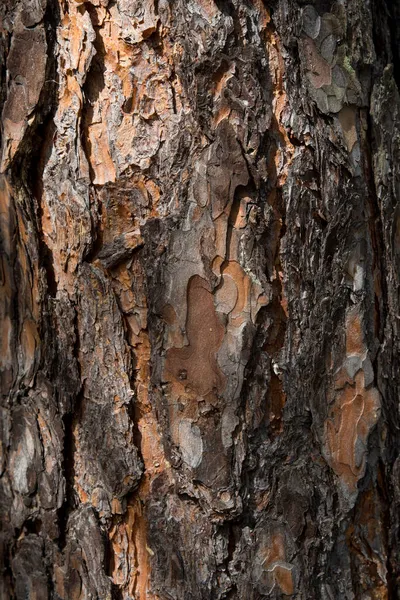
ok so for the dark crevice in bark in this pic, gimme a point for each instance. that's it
(231, 532)
(69, 420)
(7, 573)
(258, 435)
(43, 140)
(25, 165)
(390, 417)
(155, 41)
(386, 492)
(173, 80)
(94, 81)
(385, 20)
(68, 469)
(275, 336)
(227, 7)
(116, 592)
(97, 227)
(135, 412)
(377, 236)
(393, 7)
(49, 570)
(31, 159)
(32, 525)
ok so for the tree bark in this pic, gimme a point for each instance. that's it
(200, 311)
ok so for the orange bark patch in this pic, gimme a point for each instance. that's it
(275, 563)
(238, 295)
(5, 200)
(354, 334)
(99, 155)
(29, 341)
(283, 577)
(264, 16)
(222, 113)
(222, 108)
(282, 155)
(196, 365)
(221, 77)
(130, 560)
(354, 414)
(276, 550)
(6, 295)
(243, 286)
(131, 549)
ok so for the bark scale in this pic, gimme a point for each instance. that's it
(200, 312)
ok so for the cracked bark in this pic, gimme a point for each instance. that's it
(200, 337)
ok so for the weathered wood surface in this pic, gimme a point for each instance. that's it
(200, 312)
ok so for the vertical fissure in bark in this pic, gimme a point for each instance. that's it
(389, 15)
(43, 140)
(393, 9)
(30, 161)
(68, 470)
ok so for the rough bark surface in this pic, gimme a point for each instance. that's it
(200, 259)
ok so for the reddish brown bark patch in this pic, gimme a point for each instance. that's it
(196, 365)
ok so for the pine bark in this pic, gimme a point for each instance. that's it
(199, 279)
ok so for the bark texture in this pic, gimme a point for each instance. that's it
(200, 259)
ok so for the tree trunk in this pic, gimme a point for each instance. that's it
(200, 262)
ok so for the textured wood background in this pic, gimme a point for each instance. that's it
(199, 281)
